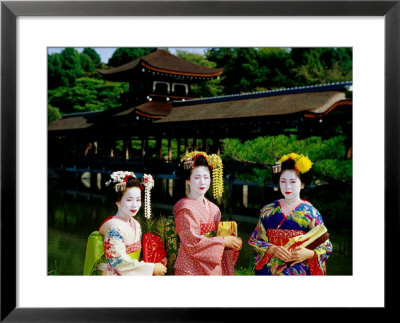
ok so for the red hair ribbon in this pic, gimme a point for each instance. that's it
(127, 177)
(195, 157)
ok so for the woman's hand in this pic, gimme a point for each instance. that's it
(159, 269)
(232, 242)
(280, 253)
(300, 254)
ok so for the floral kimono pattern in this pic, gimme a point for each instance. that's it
(200, 251)
(275, 227)
(122, 245)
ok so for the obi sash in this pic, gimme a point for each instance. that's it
(208, 229)
(133, 250)
(280, 237)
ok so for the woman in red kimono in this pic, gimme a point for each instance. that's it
(201, 252)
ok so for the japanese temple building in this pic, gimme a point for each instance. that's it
(159, 107)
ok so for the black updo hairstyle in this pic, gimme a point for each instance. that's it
(289, 164)
(117, 196)
(200, 160)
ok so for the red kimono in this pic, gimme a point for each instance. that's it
(200, 251)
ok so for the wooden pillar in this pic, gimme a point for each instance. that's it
(178, 147)
(127, 144)
(194, 144)
(112, 149)
(144, 146)
(170, 187)
(219, 146)
(100, 148)
(159, 147)
(245, 196)
(169, 149)
(98, 181)
(186, 146)
(204, 143)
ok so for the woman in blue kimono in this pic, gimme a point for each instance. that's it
(287, 218)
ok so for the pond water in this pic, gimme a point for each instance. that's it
(76, 209)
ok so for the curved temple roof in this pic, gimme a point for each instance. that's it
(162, 61)
(313, 101)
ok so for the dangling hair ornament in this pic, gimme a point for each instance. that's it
(301, 163)
(148, 183)
(119, 178)
(215, 163)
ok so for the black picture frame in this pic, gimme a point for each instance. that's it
(10, 10)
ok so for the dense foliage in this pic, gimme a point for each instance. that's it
(87, 94)
(328, 156)
(203, 89)
(75, 85)
(255, 69)
(53, 114)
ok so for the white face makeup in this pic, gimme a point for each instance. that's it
(130, 203)
(290, 185)
(199, 182)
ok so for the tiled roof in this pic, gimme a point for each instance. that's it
(162, 61)
(70, 123)
(312, 100)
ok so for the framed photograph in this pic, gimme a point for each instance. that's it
(29, 28)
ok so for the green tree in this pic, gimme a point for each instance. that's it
(64, 68)
(125, 55)
(257, 69)
(53, 114)
(88, 94)
(93, 56)
(71, 66)
(54, 70)
(321, 65)
(275, 66)
(202, 89)
(240, 68)
(87, 63)
(328, 156)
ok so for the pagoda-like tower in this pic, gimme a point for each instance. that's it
(158, 78)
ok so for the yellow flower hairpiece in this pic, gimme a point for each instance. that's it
(215, 163)
(301, 163)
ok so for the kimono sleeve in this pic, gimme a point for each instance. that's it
(194, 243)
(258, 241)
(118, 259)
(323, 251)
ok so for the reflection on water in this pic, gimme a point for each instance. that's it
(75, 210)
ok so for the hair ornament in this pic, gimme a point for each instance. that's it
(214, 162)
(148, 183)
(119, 179)
(301, 163)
